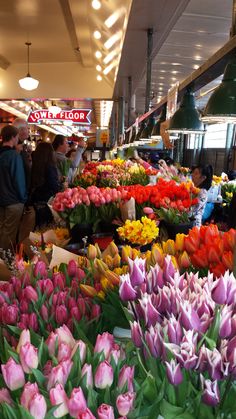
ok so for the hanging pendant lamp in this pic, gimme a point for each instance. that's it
(221, 106)
(28, 82)
(156, 135)
(186, 119)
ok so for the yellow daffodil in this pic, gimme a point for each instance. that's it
(139, 232)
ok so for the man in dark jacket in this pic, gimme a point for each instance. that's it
(13, 193)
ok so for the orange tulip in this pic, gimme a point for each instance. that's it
(229, 239)
(228, 260)
(111, 276)
(199, 258)
(184, 260)
(91, 252)
(116, 260)
(213, 254)
(88, 290)
(100, 266)
(179, 242)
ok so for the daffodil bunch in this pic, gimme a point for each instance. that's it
(140, 232)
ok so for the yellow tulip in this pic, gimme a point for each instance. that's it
(100, 266)
(109, 261)
(99, 254)
(179, 242)
(105, 283)
(169, 247)
(91, 252)
(112, 276)
(184, 260)
(126, 253)
(88, 290)
(116, 261)
(157, 255)
(174, 261)
(101, 295)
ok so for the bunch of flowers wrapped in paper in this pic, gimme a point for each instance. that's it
(184, 327)
(139, 232)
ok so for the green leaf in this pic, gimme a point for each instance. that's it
(25, 414)
(169, 411)
(214, 330)
(92, 399)
(38, 376)
(14, 355)
(9, 412)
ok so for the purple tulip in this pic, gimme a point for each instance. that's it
(225, 322)
(211, 394)
(137, 276)
(231, 354)
(189, 317)
(202, 362)
(174, 373)
(169, 269)
(214, 364)
(154, 341)
(164, 303)
(174, 330)
(157, 277)
(126, 291)
(136, 334)
(219, 291)
(104, 375)
(151, 315)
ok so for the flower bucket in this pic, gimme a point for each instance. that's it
(102, 239)
(173, 229)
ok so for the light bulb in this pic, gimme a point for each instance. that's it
(99, 78)
(98, 68)
(98, 54)
(97, 34)
(96, 4)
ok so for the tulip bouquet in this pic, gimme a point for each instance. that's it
(139, 232)
(184, 328)
(63, 377)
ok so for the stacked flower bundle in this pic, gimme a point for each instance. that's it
(185, 328)
(66, 378)
(139, 232)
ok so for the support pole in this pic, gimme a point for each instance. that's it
(121, 116)
(129, 99)
(233, 28)
(149, 68)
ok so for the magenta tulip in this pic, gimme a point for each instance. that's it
(9, 314)
(44, 313)
(137, 276)
(151, 315)
(30, 294)
(104, 343)
(136, 334)
(225, 323)
(126, 291)
(104, 375)
(38, 406)
(211, 394)
(219, 291)
(96, 311)
(13, 374)
(125, 403)
(126, 377)
(173, 372)
(33, 321)
(189, 317)
(77, 403)
(174, 330)
(105, 412)
(28, 357)
(40, 269)
(72, 268)
(29, 390)
(88, 374)
(61, 314)
(58, 397)
(5, 396)
(59, 280)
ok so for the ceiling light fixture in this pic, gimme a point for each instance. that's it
(54, 109)
(109, 57)
(97, 34)
(98, 68)
(112, 19)
(98, 54)
(109, 68)
(186, 119)
(96, 4)
(112, 40)
(221, 106)
(28, 82)
(99, 78)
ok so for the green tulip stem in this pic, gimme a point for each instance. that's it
(227, 388)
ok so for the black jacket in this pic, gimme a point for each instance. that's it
(12, 177)
(50, 187)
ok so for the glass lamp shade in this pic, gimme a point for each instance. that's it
(221, 106)
(186, 119)
(28, 83)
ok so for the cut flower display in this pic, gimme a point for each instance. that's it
(140, 232)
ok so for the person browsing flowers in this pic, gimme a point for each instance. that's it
(202, 179)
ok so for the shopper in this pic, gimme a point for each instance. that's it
(44, 182)
(202, 179)
(60, 145)
(23, 129)
(13, 192)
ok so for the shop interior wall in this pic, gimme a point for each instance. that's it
(213, 156)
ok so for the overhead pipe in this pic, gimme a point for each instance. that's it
(149, 68)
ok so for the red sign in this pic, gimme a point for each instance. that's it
(77, 116)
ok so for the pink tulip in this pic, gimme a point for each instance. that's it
(104, 343)
(38, 406)
(51, 343)
(105, 412)
(126, 377)
(64, 352)
(211, 394)
(30, 294)
(77, 403)
(104, 375)
(33, 322)
(59, 280)
(136, 334)
(61, 314)
(115, 354)
(59, 374)
(9, 314)
(86, 415)
(173, 372)
(40, 269)
(47, 368)
(5, 396)
(13, 374)
(29, 390)
(219, 291)
(72, 268)
(44, 313)
(88, 374)
(147, 210)
(65, 336)
(58, 397)
(24, 338)
(124, 403)
(82, 350)
(28, 357)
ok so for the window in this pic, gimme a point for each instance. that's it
(215, 136)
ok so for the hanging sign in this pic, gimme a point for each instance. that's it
(104, 136)
(76, 116)
(172, 97)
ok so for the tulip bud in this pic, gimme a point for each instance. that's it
(112, 277)
(9, 314)
(104, 375)
(173, 372)
(104, 343)
(126, 291)
(219, 291)
(44, 313)
(61, 314)
(5, 396)
(88, 290)
(82, 350)
(28, 357)
(126, 377)
(58, 397)
(136, 334)
(24, 338)
(124, 403)
(91, 252)
(72, 268)
(77, 403)
(105, 412)
(101, 266)
(40, 269)
(211, 394)
(29, 390)
(184, 260)
(33, 321)
(38, 406)
(13, 374)
(88, 373)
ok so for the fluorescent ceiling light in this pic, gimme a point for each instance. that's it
(112, 19)
(112, 40)
(109, 57)
(97, 34)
